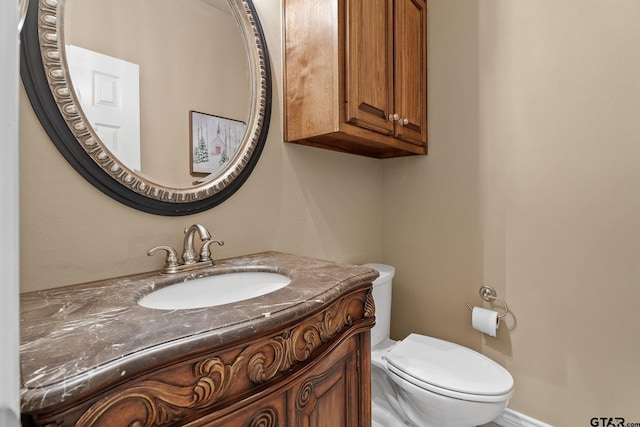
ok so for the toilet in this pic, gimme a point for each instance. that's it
(427, 382)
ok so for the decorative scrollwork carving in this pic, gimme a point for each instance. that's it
(267, 417)
(298, 344)
(268, 359)
(164, 403)
(305, 395)
(369, 305)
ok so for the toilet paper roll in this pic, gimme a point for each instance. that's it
(485, 321)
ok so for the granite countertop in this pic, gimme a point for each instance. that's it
(76, 338)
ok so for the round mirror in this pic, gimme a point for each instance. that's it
(162, 105)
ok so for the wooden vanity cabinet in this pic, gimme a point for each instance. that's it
(356, 75)
(315, 371)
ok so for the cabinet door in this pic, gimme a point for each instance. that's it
(329, 396)
(369, 64)
(268, 412)
(410, 79)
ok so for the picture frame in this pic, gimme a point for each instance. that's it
(213, 143)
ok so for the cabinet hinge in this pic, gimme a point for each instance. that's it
(358, 361)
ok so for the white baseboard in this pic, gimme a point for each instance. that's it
(511, 418)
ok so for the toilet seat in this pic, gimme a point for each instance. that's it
(449, 369)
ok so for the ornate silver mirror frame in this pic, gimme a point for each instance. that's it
(47, 82)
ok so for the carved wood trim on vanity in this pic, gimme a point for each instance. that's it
(188, 389)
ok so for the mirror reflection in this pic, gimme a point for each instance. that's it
(161, 60)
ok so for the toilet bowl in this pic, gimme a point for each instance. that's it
(427, 382)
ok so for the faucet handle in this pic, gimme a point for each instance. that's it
(172, 256)
(205, 252)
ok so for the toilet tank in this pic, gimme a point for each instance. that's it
(382, 299)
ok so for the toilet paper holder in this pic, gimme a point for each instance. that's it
(487, 293)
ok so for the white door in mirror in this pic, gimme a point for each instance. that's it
(217, 290)
(108, 89)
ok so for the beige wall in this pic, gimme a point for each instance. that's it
(532, 186)
(298, 199)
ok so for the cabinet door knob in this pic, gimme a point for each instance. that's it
(393, 117)
(403, 122)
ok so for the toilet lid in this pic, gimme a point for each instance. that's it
(433, 363)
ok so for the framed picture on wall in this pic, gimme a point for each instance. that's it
(214, 142)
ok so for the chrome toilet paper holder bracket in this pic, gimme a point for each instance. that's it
(489, 294)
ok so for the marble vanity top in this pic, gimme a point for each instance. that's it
(77, 338)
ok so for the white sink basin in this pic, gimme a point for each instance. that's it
(214, 290)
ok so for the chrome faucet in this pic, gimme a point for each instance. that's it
(189, 259)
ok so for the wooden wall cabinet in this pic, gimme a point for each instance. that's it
(356, 75)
